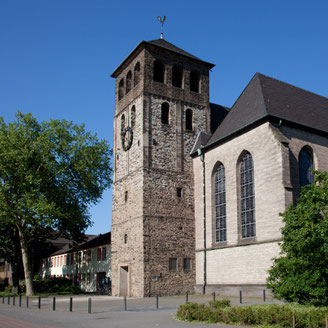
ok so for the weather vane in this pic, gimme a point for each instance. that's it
(161, 20)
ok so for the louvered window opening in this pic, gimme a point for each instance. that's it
(220, 205)
(247, 197)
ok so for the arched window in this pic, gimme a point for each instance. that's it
(189, 119)
(305, 161)
(194, 81)
(158, 71)
(133, 116)
(177, 77)
(121, 90)
(248, 227)
(136, 73)
(220, 204)
(122, 123)
(128, 81)
(165, 113)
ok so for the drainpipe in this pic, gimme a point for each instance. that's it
(201, 153)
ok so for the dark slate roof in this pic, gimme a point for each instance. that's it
(218, 113)
(162, 44)
(201, 140)
(266, 97)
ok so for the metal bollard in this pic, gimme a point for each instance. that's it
(125, 304)
(14, 299)
(241, 297)
(54, 303)
(70, 304)
(187, 297)
(20, 300)
(39, 302)
(263, 295)
(213, 296)
(8, 299)
(27, 301)
(3, 300)
(156, 301)
(89, 305)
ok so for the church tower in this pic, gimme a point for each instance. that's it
(161, 104)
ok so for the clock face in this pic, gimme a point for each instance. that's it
(127, 138)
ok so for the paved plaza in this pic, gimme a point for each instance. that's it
(106, 311)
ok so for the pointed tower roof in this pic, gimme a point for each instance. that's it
(264, 98)
(159, 43)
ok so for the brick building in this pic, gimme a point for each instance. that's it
(162, 115)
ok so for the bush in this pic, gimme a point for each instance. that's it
(57, 286)
(281, 316)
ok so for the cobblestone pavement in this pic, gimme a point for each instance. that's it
(106, 311)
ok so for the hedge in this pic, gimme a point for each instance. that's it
(280, 316)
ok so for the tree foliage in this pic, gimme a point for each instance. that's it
(300, 274)
(50, 174)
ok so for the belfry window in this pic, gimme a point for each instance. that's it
(248, 226)
(136, 73)
(189, 119)
(220, 204)
(158, 71)
(122, 123)
(177, 76)
(194, 81)
(133, 116)
(165, 113)
(121, 89)
(305, 165)
(128, 82)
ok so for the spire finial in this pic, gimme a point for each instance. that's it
(161, 20)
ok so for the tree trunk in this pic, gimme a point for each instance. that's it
(14, 277)
(26, 263)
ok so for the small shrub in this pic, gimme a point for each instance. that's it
(219, 304)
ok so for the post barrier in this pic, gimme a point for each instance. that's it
(8, 299)
(20, 300)
(213, 296)
(3, 300)
(187, 297)
(263, 295)
(54, 303)
(70, 304)
(14, 299)
(125, 304)
(27, 301)
(241, 297)
(89, 305)
(156, 301)
(39, 302)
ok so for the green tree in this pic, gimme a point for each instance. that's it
(50, 174)
(300, 274)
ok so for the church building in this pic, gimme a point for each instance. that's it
(197, 187)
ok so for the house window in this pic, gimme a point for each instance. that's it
(121, 89)
(186, 264)
(247, 197)
(72, 258)
(220, 204)
(305, 161)
(66, 259)
(179, 192)
(165, 113)
(173, 264)
(158, 71)
(98, 254)
(189, 119)
(103, 254)
(80, 257)
(128, 82)
(83, 278)
(88, 255)
(136, 73)
(84, 255)
(88, 278)
(133, 116)
(194, 81)
(177, 76)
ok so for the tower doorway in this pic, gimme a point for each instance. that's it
(124, 280)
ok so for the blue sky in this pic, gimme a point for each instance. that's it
(56, 57)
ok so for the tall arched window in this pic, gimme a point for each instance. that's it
(248, 226)
(158, 71)
(128, 81)
(133, 116)
(121, 89)
(305, 161)
(194, 81)
(165, 113)
(189, 119)
(177, 77)
(220, 204)
(136, 73)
